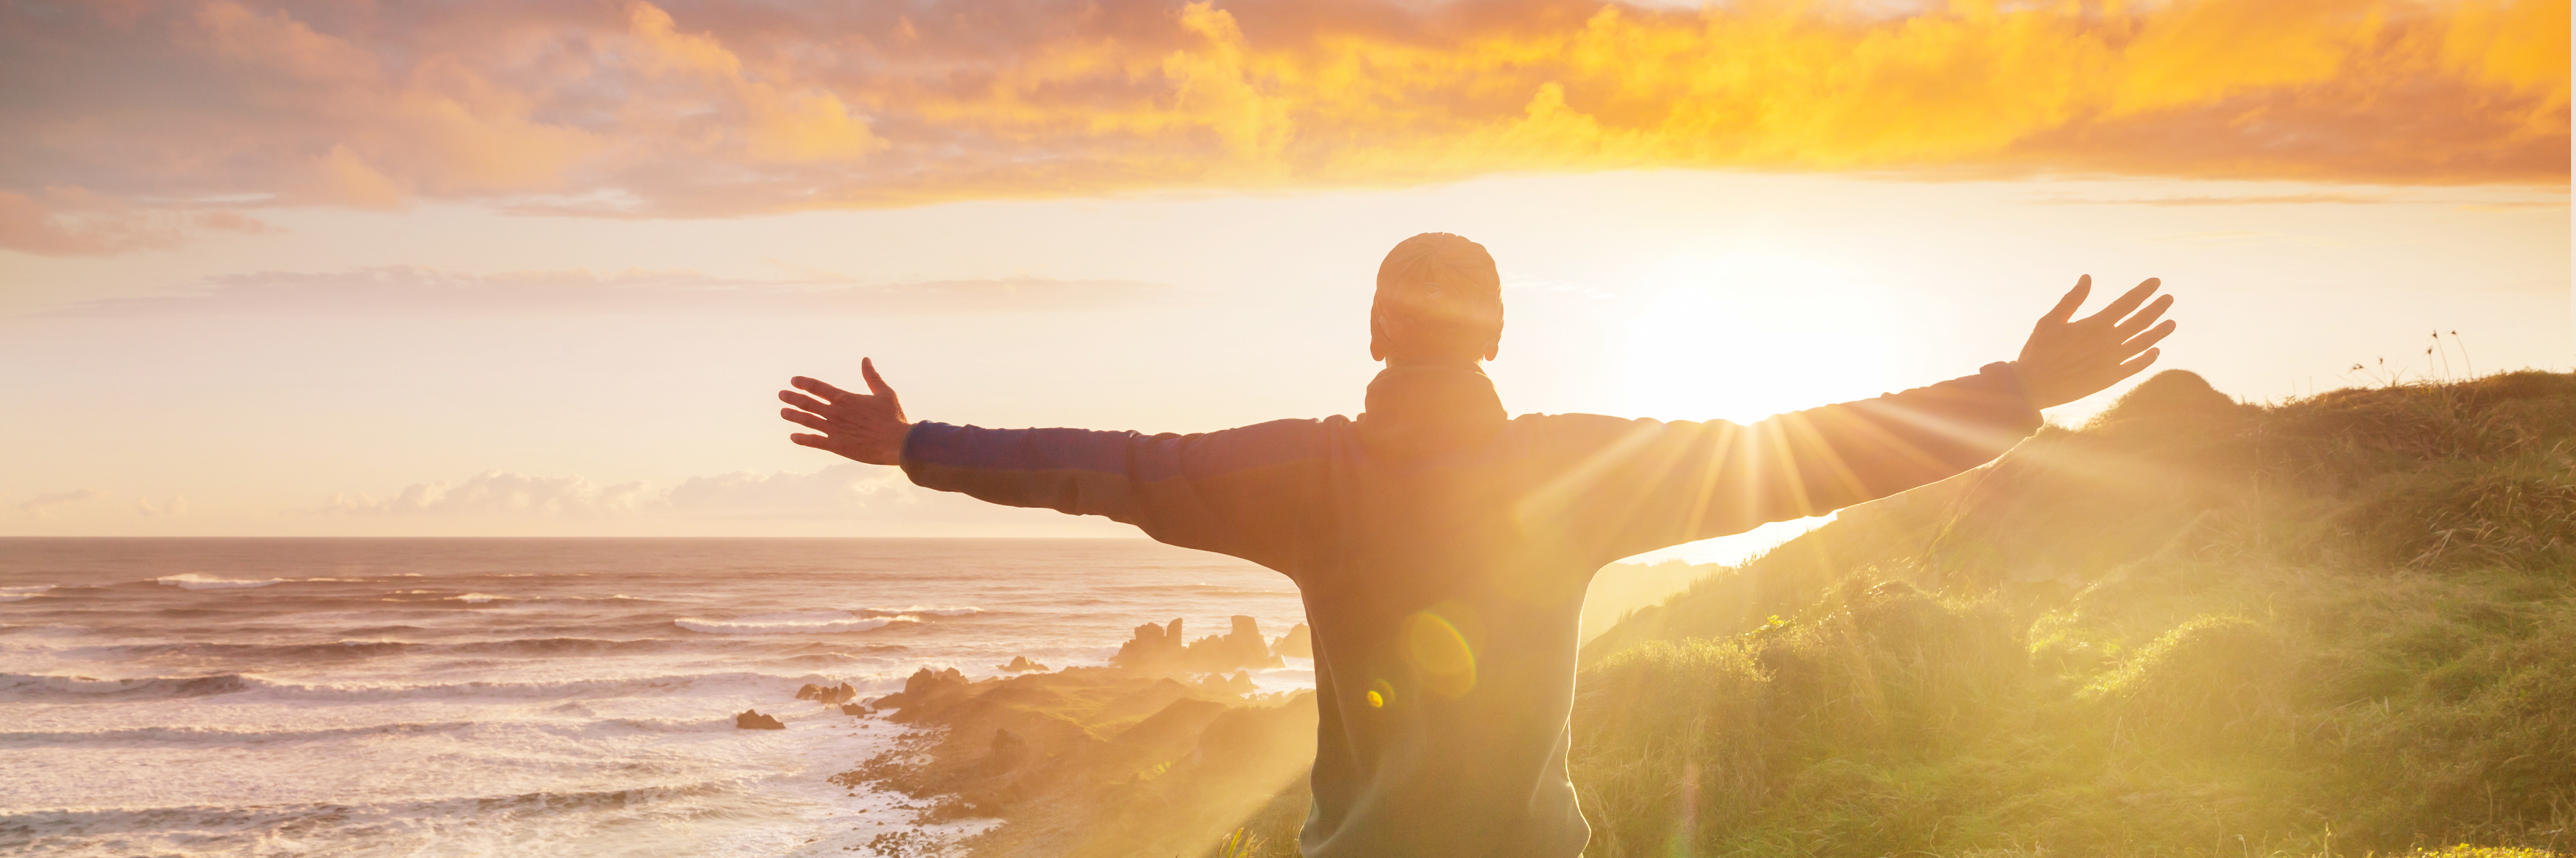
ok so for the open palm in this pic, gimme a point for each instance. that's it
(868, 427)
(2068, 359)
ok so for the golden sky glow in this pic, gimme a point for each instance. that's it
(523, 268)
(155, 121)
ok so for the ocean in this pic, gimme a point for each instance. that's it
(427, 697)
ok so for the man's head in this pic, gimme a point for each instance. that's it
(1439, 300)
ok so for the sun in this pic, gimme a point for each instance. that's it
(1751, 334)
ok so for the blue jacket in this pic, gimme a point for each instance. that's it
(1442, 550)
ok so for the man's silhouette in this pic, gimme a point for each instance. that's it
(1442, 546)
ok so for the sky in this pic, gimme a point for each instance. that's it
(346, 268)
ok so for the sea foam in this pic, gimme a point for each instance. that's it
(194, 581)
(20, 686)
(794, 623)
(921, 610)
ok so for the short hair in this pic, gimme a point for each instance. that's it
(1438, 295)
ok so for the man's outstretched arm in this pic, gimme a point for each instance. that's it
(1219, 491)
(1655, 484)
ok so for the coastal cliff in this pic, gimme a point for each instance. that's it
(1163, 752)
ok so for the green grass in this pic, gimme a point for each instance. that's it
(2340, 625)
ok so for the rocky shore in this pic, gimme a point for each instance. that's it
(1163, 752)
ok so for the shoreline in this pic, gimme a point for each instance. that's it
(535, 698)
(1149, 755)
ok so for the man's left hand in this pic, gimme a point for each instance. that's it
(2068, 359)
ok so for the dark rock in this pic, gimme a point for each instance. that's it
(1159, 650)
(924, 681)
(1237, 684)
(751, 719)
(1240, 648)
(1244, 647)
(1154, 649)
(853, 709)
(828, 695)
(924, 686)
(1022, 664)
(1008, 748)
(1299, 642)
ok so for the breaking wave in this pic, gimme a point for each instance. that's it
(797, 623)
(197, 737)
(194, 581)
(23, 686)
(268, 816)
(921, 610)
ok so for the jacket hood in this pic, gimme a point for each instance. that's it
(1421, 410)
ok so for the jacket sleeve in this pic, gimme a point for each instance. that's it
(1232, 492)
(1640, 485)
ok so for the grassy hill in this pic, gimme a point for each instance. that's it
(1621, 588)
(2342, 624)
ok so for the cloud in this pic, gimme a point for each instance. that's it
(500, 493)
(75, 222)
(2533, 199)
(709, 109)
(44, 504)
(836, 492)
(177, 506)
(413, 290)
(2218, 238)
(833, 492)
(2249, 200)
(2514, 205)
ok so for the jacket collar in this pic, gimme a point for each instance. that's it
(1418, 410)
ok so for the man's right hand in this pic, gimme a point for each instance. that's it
(868, 427)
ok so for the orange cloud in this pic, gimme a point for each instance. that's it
(412, 291)
(703, 109)
(75, 222)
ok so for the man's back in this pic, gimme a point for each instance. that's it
(1442, 551)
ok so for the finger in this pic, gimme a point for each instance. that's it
(868, 370)
(2128, 301)
(815, 441)
(802, 401)
(2144, 318)
(818, 388)
(2066, 306)
(2147, 339)
(806, 420)
(2135, 364)
(876, 383)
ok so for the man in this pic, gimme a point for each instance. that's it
(1442, 547)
